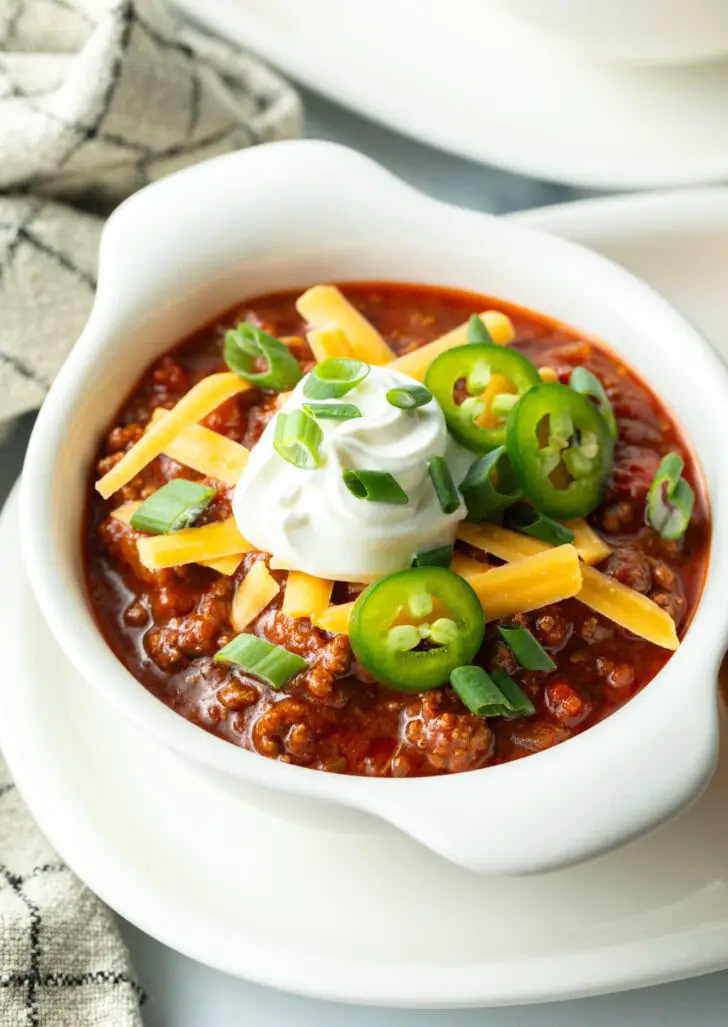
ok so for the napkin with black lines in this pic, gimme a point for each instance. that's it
(97, 98)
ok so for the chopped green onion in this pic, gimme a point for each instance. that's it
(271, 663)
(525, 519)
(333, 378)
(477, 332)
(332, 411)
(528, 651)
(479, 692)
(588, 384)
(490, 695)
(375, 486)
(520, 704)
(670, 499)
(440, 557)
(407, 397)
(247, 344)
(297, 439)
(488, 487)
(447, 495)
(176, 505)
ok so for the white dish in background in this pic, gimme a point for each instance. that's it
(666, 32)
(114, 804)
(468, 78)
(287, 215)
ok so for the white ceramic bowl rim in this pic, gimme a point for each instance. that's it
(288, 214)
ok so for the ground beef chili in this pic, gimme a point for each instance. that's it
(166, 626)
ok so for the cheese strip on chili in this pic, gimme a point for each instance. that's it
(415, 364)
(529, 583)
(467, 566)
(205, 451)
(590, 546)
(226, 565)
(192, 545)
(329, 342)
(125, 512)
(252, 595)
(306, 596)
(605, 595)
(629, 609)
(200, 401)
(334, 618)
(324, 306)
(500, 542)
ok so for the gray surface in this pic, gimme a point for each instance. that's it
(185, 994)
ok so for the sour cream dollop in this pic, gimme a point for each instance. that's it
(310, 519)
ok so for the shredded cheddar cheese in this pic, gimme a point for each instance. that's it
(192, 545)
(252, 595)
(306, 596)
(200, 401)
(334, 618)
(528, 583)
(415, 364)
(325, 307)
(205, 451)
(601, 593)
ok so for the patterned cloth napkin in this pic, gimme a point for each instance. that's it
(97, 98)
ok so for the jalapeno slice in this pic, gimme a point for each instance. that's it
(561, 450)
(412, 629)
(495, 378)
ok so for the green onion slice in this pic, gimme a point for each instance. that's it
(333, 378)
(332, 411)
(176, 505)
(670, 499)
(440, 557)
(478, 691)
(528, 651)
(488, 488)
(408, 397)
(447, 495)
(297, 439)
(520, 704)
(477, 332)
(271, 663)
(246, 346)
(588, 384)
(490, 695)
(375, 486)
(525, 519)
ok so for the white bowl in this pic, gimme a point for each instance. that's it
(640, 31)
(290, 214)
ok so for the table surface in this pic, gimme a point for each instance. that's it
(183, 993)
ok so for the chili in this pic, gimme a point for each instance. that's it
(167, 626)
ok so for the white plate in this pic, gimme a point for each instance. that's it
(465, 77)
(343, 907)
